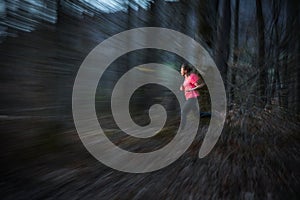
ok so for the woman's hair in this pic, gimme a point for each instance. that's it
(187, 68)
(190, 69)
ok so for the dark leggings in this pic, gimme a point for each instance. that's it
(190, 105)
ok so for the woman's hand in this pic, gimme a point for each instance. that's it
(181, 88)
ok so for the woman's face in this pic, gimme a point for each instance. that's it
(182, 71)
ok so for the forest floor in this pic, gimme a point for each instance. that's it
(256, 157)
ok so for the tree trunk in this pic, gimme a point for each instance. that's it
(223, 38)
(293, 48)
(235, 47)
(208, 18)
(261, 52)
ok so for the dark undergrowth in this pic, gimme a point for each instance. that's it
(256, 157)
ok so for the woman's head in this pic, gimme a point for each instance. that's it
(185, 69)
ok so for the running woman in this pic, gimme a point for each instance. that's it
(190, 86)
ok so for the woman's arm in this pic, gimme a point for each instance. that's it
(197, 82)
(197, 86)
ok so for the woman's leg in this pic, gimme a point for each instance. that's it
(189, 105)
(205, 114)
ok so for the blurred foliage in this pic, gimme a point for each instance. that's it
(43, 43)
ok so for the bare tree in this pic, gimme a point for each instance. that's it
(223, 38)
(235, 47)
(293, 48)
(261, 51)
(208, 18)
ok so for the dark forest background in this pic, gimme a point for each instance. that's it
(255, 45)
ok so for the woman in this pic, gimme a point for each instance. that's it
(190, 86)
